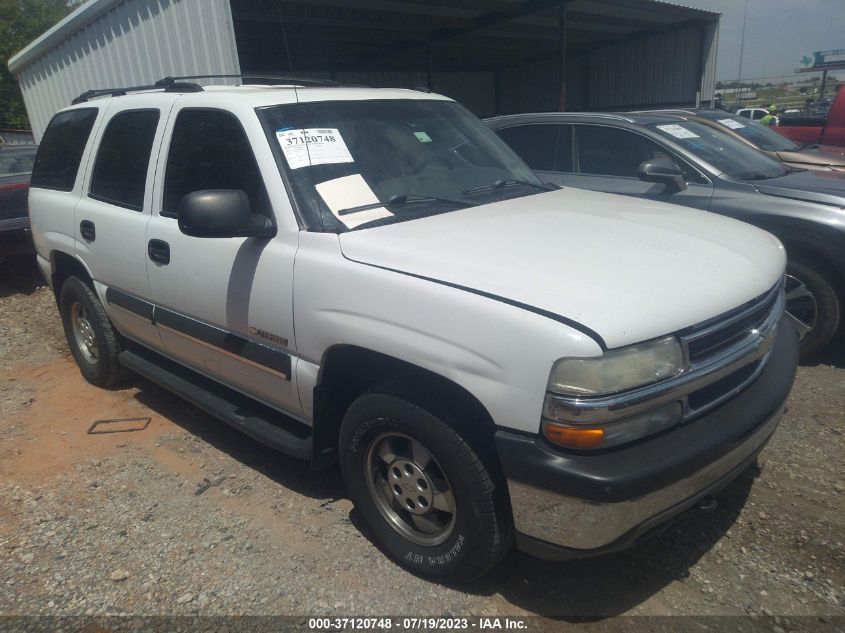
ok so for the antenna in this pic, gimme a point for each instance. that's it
(296, 95)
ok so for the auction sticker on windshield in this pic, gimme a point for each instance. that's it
(678, 131)
(313, 146)
(734, 125)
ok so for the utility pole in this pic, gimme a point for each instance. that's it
(561, 55)
(741, 51)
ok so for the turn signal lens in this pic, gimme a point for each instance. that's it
(573, 436)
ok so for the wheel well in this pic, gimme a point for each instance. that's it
(798, 251)
(349, 371)
(65, 266)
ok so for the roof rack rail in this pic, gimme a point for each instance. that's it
(269, 80)
(119, 92)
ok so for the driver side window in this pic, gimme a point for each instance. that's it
(607, 151)
(210, 150)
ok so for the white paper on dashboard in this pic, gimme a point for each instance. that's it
(678, 131)
(734, 125)
(313, 146)
(347, 192)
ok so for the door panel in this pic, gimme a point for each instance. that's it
(112, 214)
(223, 305)
(607, 159)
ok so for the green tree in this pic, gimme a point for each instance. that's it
(21, 21)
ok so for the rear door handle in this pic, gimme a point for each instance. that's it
(159, 251)
(87, 230)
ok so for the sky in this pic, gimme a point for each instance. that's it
(777, 34)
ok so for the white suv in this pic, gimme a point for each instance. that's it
(372, 276)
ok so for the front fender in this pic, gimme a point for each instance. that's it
(499, 353)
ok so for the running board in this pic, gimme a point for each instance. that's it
(260, 422)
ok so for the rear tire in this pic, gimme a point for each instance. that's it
(426, 496)
(90, 335)
(812, 299)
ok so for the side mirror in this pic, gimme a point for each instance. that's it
(221, 213)
(664, 172)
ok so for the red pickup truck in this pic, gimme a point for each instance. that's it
(816, 130)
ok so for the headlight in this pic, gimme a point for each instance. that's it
(618, 370)
(615, 371)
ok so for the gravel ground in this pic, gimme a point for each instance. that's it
(190, 517)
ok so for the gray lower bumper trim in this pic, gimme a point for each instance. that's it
(575, 523)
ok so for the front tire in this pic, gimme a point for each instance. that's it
(812, 299)
(93, 341)
(427, 497)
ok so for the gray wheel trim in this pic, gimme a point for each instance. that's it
(83, 333)
(410, 489)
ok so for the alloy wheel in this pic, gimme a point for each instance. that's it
(801, 304)
(410, 489)
(83, 332)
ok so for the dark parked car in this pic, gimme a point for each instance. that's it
(15, 169)
(790, 153)
(668, 158)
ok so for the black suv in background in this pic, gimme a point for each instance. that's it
(15, 170)
(666, 157)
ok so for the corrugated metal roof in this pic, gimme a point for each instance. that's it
(485, 22)
(686, 6)
(494, 55)
(132, 42)
(77, 20)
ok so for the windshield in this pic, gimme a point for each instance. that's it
(16, 162)
(728, 155)
(416, 157)
(763, 137)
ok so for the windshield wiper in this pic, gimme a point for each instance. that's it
(499, 184)
(403, 199)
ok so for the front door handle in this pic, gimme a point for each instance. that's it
(87, 230)
(159, 251)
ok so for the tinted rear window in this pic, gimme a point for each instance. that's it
(57, 162)
(120, 173)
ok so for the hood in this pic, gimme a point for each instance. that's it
(626, 268)
(813, 186)
(815, 155)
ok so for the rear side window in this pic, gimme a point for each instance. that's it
(120, 173)
(537, 144)
(57, 162)
(210, 150)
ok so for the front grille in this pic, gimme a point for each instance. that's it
(730, 339)
(722, 333)
(720, 389)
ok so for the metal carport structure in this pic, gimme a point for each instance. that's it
(496, 56)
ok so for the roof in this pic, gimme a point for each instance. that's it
(703, 113)
(481, 33)
(261, 96)
(637, 118)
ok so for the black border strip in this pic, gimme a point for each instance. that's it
(524, 306)
(226, 341)
(214, 336)
(131, 303)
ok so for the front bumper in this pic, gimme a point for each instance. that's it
(576, 504)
